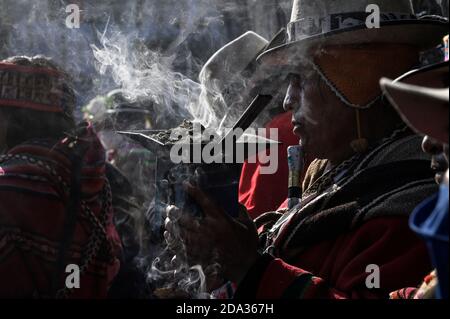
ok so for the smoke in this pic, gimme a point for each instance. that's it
(177, 277)
(145, 74)
(173, 278)
(431, 7)
(153, 51)
(134, 44)
(39, 27)
(141, 73)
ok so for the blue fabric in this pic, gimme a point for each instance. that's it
(430, 220)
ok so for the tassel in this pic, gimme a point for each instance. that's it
(361, 144)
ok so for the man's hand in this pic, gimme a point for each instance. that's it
(215, 239)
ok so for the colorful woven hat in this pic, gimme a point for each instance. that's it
(35, 88)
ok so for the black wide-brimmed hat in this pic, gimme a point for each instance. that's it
(421, 97)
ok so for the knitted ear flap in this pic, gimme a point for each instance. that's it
(354, 71)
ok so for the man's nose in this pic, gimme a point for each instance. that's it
(431, 146)
(292, 98)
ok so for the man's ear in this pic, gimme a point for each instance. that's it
(425, 110)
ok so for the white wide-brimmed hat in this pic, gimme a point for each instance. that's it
(340, 22)
(228, 63)
(231, 79)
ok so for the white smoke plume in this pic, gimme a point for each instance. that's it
(150, 49)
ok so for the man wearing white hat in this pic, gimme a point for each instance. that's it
(349, 237)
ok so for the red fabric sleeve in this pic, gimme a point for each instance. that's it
(336, 269)
(253, 186)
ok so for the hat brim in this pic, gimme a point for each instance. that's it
(434, 76)
(424, 105)
(423, 34)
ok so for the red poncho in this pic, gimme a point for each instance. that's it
(327, 247)
(35, 188)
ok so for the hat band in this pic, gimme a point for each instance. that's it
(33, 88)
(316, 25)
